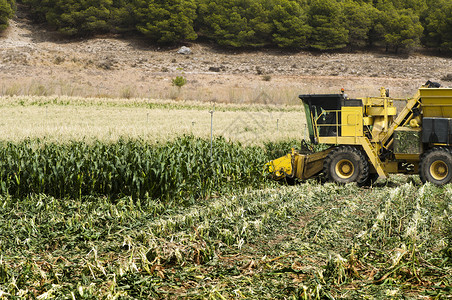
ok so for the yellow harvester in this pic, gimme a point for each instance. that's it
(369, 139)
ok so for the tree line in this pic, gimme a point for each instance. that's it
(309, 24)
(7, 8)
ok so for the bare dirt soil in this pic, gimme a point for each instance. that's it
(35, 60)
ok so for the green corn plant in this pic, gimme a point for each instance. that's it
(182, 169)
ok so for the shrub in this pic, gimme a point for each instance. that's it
(179, 81)
(127, 93)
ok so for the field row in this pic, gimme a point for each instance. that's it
(310, 241)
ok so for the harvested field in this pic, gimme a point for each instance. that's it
(310, 241)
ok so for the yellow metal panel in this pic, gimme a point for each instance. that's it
(367, 121)
(352, 120)
(297, 165)
(379, 125)
(393, 167)
(370, 149)
(372, 154)
(341, 140)
(280, 167)
(300, 166)
(380, 111)
(436, 102)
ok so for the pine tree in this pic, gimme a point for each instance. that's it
(290, 24)
(438, 25)
(38, 9)
(123, 16)
(327, 20)
(236, 23)
(403, 29)
(418, 6)
(358, 20)
(377, 28)
(72, 17)
(6, 12)
(319, 24)
(167, 21)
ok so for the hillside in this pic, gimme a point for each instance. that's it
(34, 60)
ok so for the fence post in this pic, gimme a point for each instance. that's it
(211, 130)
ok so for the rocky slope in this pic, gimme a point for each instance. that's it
(37, 61)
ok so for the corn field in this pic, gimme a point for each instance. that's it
(134, 220)
(181, 169)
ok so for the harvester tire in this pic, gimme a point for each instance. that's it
(346, 164)
(436, 166)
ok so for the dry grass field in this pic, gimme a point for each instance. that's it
(62, 119)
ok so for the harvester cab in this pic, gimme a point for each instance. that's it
(368, 139)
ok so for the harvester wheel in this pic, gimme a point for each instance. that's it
(436, 166)
(346, 164)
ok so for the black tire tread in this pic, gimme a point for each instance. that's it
(363, 163)
(422, 172)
